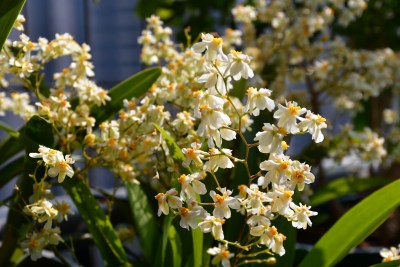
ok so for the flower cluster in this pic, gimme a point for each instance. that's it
(222, 117)
(390, 254)
(317, 69)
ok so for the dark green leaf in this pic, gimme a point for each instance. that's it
(99, 225)
(9, 11)
(146, 225)
(11, 170)
(345, 186)
(354, 226)
(135, 86)
(395, 263)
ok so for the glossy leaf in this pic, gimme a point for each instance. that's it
(354, 226)
(8, 129)
(99, 225)
(9, 11)
(345, 186)
(143, 215)
(135, 86)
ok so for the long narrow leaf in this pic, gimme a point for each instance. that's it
(162, 248)
(176, 246)
(100, 227)
(395, 263)
(345, 186)
(354, 226)
(134, 86)
(143, 215)
(9, 11)
(8, 129)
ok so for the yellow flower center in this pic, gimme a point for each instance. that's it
(217, 41)
(183, 211)
(293, 109)
(182, 178)
(219, 199)
(320, 119)
(298, 175)
(236, 54)
(159, 195)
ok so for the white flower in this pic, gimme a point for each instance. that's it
(270, 237)
(390, 254)
(213, 79)
(223, 203)
(213, 225)
(167, 200)
(270, 139)
(222, 254)
(212, 46)
(191, 185)
(193, 154)
(61, 168)
(189, 217)
(288, 115)
(255, 197)
(211, 119)
(218, 160)
(258, 100)
(313, 123)
(300, 174)
(300, 218)
(281, 200)
(278, 170)
(35, 244)
(240, 65)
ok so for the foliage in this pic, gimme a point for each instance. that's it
(198, 143)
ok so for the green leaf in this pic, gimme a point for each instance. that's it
(135, 86)
(99, 225)
(9, 11)
(174, 149)
(345, 186)
(354, 226)
(11, 170)
(176, 246)
(197, 237)
(8, 129)
(395, 263)
(146, 225)
(162, 248)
